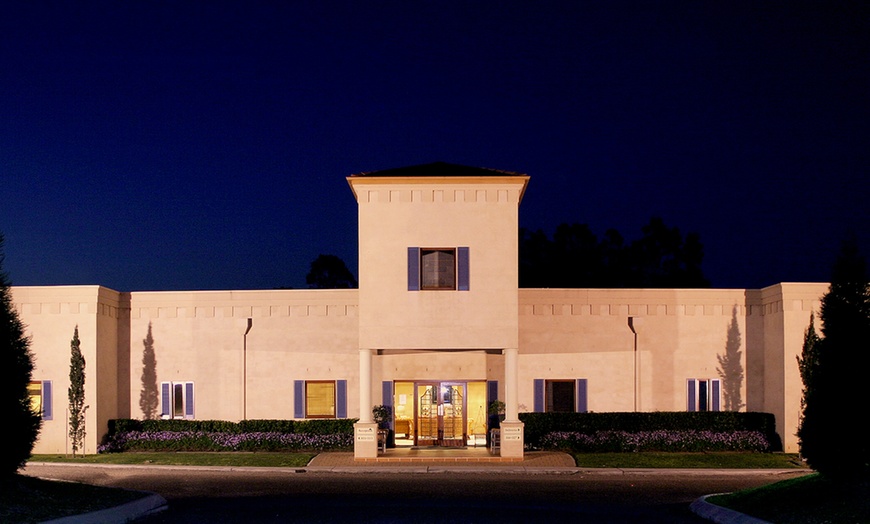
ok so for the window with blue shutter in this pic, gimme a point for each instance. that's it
(439, 269)
(165, 399)
(188, 400)
(298, 399)
(177, 400)
(462, 269)
(47, 412)
(413, 269)
(582, 398)
(703, 394)
(539, 395)
(341, 399)
(387, 397)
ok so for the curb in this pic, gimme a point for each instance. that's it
(150, 504)
(719, 514)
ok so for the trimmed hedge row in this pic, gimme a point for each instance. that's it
(221, 435)
(538, 425)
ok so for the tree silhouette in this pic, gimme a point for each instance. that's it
(330, 272)
(22, 423)
(148, 395)
(661, 258)
(731, 366)
(834, 368)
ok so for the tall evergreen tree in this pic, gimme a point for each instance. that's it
(22, 423)
(808, 362)
(77, 405)
(833, 369)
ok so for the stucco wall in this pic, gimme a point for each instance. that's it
(314, 334)
(479, 213)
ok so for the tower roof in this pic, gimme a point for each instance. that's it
(438, 169)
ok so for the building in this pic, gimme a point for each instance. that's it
(437, 329)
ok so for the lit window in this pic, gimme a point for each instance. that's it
(40, 398)
(320, 399)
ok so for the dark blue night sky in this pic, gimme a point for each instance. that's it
(171, 145)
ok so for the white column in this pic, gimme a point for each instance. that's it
(365, 441)
(511, 412)
(365, 385)
(512, 431)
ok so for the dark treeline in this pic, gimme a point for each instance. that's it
(576, 258)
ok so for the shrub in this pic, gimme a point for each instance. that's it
(660, 440)
(220, 435)
(217, 441)
(537, 425)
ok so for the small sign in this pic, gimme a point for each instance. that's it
(512, 437)
(511, 431)
(365, 438)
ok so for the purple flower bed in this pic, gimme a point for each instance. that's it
(622, 441)
(212, 441)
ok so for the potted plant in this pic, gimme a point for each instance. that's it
(383, 415)
(496, 415)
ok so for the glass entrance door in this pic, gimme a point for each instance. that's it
(440, 412)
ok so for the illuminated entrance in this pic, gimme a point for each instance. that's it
(439, 413)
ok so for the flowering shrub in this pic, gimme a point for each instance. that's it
(218, 441)
(661, 440)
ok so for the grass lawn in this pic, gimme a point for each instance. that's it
(238, 459)
(26, 499)
(690, 460)
(810, 499)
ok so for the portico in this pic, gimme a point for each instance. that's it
(438, 276)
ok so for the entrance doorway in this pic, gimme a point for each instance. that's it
(439, 413)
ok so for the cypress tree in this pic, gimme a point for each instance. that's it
(833, 369)
(22, 423)
(77, 405)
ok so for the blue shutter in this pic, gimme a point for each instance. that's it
(413, 269)
(387, 396)
(462, 269)
(714, 387)
(539, 395)
(165, 399)
(582, 399)
(47, 413)
(691, 395)
(341, 399)
(188, 400)
(298, 399)
(491, 392)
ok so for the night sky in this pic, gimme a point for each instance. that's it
(181, 145)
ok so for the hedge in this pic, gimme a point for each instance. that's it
(538, 425)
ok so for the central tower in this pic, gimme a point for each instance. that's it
(438, 265)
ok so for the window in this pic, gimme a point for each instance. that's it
(320, 399)
(704, 394)
(40, 398)
(176, 400)
(438, 269)
(562, 395)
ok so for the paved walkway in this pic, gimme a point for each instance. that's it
(478, 457)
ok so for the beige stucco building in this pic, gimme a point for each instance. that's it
(437, 329)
